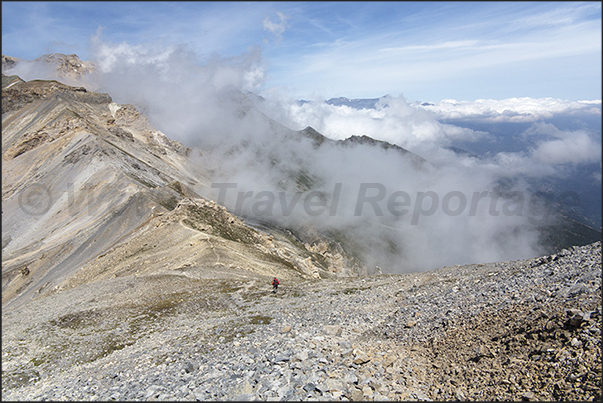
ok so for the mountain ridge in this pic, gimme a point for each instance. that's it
(97, 172)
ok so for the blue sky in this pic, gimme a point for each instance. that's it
(424, 51)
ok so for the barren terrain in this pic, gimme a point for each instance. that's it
(523, 330)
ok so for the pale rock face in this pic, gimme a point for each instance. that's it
(67, 68)
(68, 65)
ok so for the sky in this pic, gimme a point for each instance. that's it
(423, 51)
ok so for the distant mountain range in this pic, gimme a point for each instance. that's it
(362, 103)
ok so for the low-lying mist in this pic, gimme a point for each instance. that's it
(400, 211)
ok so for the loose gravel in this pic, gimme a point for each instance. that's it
(521, 330)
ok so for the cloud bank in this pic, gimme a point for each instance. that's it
(511, 109)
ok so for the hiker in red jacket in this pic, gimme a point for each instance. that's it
(275, 284)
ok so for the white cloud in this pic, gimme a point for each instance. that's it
(393, 120)
(437, 46)
(476, 57)
(523, 109)
(189, 100)
(276, 28)
(574, 147)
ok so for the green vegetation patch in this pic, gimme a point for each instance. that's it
(228, 287)
(140, 251)
(219, 223)
(114, 328)
(177, 186)
(169, 203)
(108, 346)
(350, 290)
(77, 320)
(230, 331)
(16, 379)
(306, 181)
(260, 320)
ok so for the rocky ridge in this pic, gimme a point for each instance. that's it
(521, 330)
(68, 68)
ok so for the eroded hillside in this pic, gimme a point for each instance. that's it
(88, 189)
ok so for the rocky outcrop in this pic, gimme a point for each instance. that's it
(67, 68)
(22, 93)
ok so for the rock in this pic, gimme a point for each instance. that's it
(345, 344)
(577, 289)
(301, 356)
(246, 397)
(361, 359)
(152, 391)
(281, 358)
(389, 361)
(350, 378)
(286, 329)
(189, 367)
(422, 396)
(332, 384)
(375, 384)
(367, 391)
(528, 396)
(332, 330)
(346, 353)
(357, 394)
(378, 397)
(577, 319)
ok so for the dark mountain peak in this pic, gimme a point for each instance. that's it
(319, 139)
(418, 161)
(316, 137)
(463, 152)
(364, 139)
(364, 103)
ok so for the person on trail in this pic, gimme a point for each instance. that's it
(275, 284)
